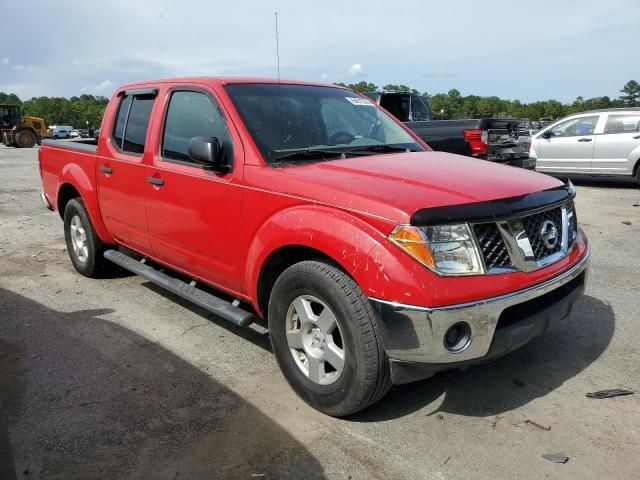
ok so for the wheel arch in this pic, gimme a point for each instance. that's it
(306, 233)
(73, 183)
(277, 262)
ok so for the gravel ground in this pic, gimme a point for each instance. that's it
(116, 379)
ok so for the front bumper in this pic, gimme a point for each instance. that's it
(413, 336)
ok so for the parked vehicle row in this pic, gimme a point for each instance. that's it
(597, 142)
(493, 139)
(372, 259)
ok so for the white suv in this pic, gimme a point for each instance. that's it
(599, 142)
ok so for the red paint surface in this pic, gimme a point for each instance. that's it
(221, 228)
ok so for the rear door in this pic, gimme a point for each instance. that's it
(569, 148)
(618, 148)
(121, 171)
(195, 214)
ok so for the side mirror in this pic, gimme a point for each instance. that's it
(547, 134)
(207, 151)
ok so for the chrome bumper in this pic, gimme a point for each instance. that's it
(416, 334)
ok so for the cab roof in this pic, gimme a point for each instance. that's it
(223, 80)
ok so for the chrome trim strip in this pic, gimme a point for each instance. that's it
(45, 200)
(578, 267)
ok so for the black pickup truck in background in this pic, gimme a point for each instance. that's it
(495, 139)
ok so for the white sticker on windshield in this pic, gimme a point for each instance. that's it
(359, 101)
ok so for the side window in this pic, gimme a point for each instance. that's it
(397, 104)
(622, 124)
(193, 114)
(136, 131)
(576, 127)
(419, 109)
(132, 121)
(121, 120)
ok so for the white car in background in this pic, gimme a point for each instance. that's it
(74, 133)
(598, 142)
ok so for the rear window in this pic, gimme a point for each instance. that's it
(132, 121)
(622, 124)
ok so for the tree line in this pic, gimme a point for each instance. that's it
(74, 111)
(77, 111)
(454, 105)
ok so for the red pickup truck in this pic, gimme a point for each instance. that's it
(372, 260)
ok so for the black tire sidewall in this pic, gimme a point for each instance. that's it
(90, 266)
(332, 398)
(29, 134)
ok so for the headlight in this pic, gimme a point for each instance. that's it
(445, 249)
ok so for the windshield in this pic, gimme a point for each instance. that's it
(300, 122)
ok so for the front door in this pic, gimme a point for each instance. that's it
(569, 148)
(194, 214)
(121, 172)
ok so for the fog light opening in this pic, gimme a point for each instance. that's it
(458, 337)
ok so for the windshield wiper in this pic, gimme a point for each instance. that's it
(382, 148)
(310, 154)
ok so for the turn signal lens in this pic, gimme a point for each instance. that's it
(411, 240)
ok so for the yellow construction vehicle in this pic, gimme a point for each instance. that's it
(18, 130)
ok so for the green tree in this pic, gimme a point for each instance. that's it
(9, 98)
(631, 97)
(360, 86)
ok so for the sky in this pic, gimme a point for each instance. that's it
(523, 50)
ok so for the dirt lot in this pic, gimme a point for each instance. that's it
(116, 379)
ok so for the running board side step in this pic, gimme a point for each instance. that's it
(209, 302)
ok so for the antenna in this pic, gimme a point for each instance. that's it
(279, 93)
(277, 48)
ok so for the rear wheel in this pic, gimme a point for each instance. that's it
(325, 338)
(25, 139)
(83, 244)
(638, 173)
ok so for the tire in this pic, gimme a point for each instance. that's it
(638, 174)
(83, 245)
(25, 139)
(337, 390)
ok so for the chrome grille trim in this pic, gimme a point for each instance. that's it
(526, 254)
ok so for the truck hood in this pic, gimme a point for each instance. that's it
(395, 186)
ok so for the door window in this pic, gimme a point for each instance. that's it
(576, 127)
(419, 110)
(622, 124)
(132, 121)
(193, 114)
(397, 104)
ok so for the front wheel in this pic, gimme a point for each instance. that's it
(325, 339)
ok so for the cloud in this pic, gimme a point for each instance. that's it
(356, 70)
(18, 68)
(5, 61)
(103, 88)
(324, 77)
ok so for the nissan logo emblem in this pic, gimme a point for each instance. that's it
(549, 234)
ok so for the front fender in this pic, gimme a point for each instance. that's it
(343, 237)
(77, 177)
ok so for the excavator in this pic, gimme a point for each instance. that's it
(19, 130)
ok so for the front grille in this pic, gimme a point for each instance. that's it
(533, 225)
(494, 250)
(526, 231)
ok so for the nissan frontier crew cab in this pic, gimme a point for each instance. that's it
(305, 207)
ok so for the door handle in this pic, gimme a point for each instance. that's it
(105, 169)
(155, 181)
(585, 139)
